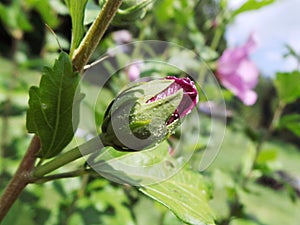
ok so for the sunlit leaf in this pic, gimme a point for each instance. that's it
(268, 205)
(50, 113)
(252, 5)
(186, 195)
(112, 197)
(242, 222)
(288, 86)
(91, 12)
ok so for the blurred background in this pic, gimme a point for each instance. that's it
(253, 49)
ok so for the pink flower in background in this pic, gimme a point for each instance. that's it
(133, 72)
(238, 73)
(122, 37)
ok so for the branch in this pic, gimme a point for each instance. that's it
(67, 157)
(94, 34)
(70, 174)
(20, 179)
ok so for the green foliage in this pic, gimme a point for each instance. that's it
(269, 201)
(14, 18)
(186, 195)
(130, 11)
(91, 12)
(291, 122)
(111, 197)
(252, 5)
(77, 9)
(288, 86)
(45, 9)
(254, 179)
(50, 114)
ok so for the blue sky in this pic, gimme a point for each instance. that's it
(275, 25)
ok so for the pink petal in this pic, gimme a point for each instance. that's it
(189, 99)
(234, 83)
(249, 73)
(248, 98)
(133, 72)
(238, 73)
(251, 43)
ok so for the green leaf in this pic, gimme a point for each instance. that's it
(239, 221)
(51, 112)
(252, 5)
(45, 10)
(77, 9)
(115, 198)
(91, 12)
(288, 86)
(132, 12)
(186, 195)
(267, 155)
(291, 122)
(264, 205)
(14, 18)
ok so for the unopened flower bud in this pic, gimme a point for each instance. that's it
(147, 113)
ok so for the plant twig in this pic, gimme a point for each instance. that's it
(94, 34)
(21, 178)
(67, 157)
(70, 174)
(270, 129)
(266, 136)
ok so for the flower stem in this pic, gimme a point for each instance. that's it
(270, 129)
(217, 37)
(67, 157)
(276, 116)
(70, 174)
(94, 34)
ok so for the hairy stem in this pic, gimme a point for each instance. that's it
(21, 178)
(94, 34)
(67, 157)
(75, 173)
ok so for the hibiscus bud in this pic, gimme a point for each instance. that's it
(147, 113)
